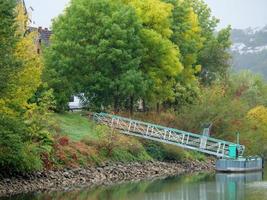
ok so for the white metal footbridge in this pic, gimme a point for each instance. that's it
(201, 143)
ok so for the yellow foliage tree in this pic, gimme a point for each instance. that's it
(22, 135)
(257, 118)
(154, 14)
(26, 79)
(258, 115)
(161, 57)
(22, 18)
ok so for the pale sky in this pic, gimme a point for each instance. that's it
(237, 13)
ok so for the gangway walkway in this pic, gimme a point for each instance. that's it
(202, 143)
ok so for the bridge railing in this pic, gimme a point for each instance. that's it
(201, 143)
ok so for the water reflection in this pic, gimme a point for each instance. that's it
(190, 187)
(233, 186)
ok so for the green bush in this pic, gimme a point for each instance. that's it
(154, 149)
(112, 145)
(166, 152)
(16, 154)
(174, 153)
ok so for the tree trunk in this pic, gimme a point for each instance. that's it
(131, 105)
(116, 104)
(158, 107)
(144, 105)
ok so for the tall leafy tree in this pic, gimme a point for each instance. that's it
(27, 78)
(22, 67)
(96, 50)
(154, 14)
(161, 58)
(187, 35)
(7, 43)
(207, 22)
(214, 57)
(20, 75)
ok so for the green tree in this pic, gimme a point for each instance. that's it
(107, 46)
(161, 58)
(208, 23)
(161, 65)
(22, 132)
(214, 57)
(7, 43)
(187, 35)
(248, 87)
(154, 14)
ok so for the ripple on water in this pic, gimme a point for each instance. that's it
(256, 191)
(260, 185)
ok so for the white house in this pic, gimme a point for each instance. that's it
(76, 103)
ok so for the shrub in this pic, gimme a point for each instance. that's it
(63, 141)
(165, 152)
(115, 146)
(67, 153)
(173, 153)
(17, 154)
(154, 150)
(255, 132)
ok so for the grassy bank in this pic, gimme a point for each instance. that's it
(75, 125)
(79, 141)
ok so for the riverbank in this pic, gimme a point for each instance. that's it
(71, 179)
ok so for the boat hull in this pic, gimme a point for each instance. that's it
(239, 165)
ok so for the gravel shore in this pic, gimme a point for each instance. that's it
(106, 174)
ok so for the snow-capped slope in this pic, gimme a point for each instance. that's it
(241, 48)
(249, 40)
(249, 49)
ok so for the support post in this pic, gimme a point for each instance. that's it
(237, 137)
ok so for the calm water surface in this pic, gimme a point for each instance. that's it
(203, 186)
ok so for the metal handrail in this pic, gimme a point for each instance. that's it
(208, 145)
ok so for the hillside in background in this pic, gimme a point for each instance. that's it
(249, 50)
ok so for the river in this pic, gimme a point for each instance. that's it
(201, 186)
